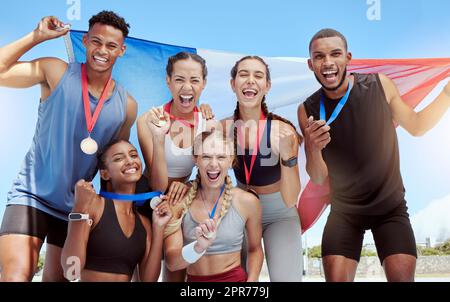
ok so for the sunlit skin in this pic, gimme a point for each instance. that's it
(214, 158)
(104, 45)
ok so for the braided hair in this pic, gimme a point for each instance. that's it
(175, 224)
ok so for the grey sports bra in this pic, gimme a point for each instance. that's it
(230, 232)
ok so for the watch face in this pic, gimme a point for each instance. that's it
(75, 216)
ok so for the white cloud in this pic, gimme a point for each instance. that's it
(433, 221)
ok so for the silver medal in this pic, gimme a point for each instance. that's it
(155, 202)
(89, 146)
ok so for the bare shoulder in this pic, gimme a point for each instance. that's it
(96, 212)
(54, 69)
(132, 105)
(246, 202)
(145, 221)
(389, 87)
(278, 125)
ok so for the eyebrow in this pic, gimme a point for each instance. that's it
(121, 153)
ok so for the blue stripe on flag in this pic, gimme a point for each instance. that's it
(142, 70)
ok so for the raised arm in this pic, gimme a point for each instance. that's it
(179, 257)
(44, 71)
(73, 257)
(285, 143)
(317, 137)
(152, 142)
(416, 123)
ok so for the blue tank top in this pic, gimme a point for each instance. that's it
(55, 162)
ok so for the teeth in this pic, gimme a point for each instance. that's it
(130, 171)
(100, 59)
(186, 98)
(329, 72)
(213, 175)
(250, 90)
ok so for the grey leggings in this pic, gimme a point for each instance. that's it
(282, 239)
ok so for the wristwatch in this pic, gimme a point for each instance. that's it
(291, 162)
(80, 217)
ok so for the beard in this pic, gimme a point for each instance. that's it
(334, 88)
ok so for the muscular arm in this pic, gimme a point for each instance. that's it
(315, 165)
(130, 118)
(416, 123)
(44, 71)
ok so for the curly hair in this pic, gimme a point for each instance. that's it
(112, 19)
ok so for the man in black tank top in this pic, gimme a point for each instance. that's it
(350, 138)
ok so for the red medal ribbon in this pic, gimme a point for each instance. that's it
(248, 172)
(91, 120)
(181, 120)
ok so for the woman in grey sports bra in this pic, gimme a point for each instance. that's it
(206, 233)
(166, 133)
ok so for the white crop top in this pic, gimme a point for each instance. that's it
(179, 160)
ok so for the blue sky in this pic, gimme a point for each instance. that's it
(406, 29)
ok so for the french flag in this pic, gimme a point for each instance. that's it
(142, 71)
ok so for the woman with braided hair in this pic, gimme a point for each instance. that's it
(207, 230)
(266, 148)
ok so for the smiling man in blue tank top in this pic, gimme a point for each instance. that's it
(350, 137)
(43, 193)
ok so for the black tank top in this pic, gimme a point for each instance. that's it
(266, 169)
(109, 250)
(362, 157)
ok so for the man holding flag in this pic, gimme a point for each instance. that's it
(82, 109)
(350, 137)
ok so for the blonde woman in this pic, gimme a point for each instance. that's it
(207, 231)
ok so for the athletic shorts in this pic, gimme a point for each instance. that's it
(26, 220)
(344, 233)
(236, 274)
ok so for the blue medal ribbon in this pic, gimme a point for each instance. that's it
(338, 108)
(139, 199)
(213, 212)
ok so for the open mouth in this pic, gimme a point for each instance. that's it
(213, 175)
(131, 170)
(100, 60)
(186, 100)
(330, 75)
(249, 93)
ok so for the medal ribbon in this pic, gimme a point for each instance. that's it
(183, 121)
(338, 108)
(139, 199)
(213, 212)
(248, 172)
(92, 120)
